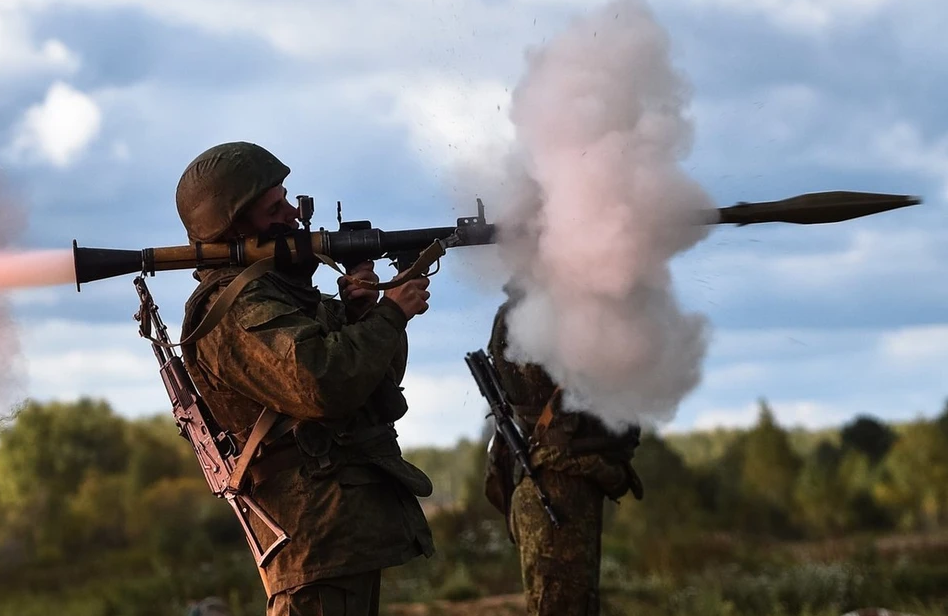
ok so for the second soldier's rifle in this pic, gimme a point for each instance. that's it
(488, 381)
(215, 448)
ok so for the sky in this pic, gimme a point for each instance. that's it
(384, 105)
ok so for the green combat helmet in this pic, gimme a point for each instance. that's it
(210, 606)
(220, 183)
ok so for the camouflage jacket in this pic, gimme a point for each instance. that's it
(350, 505)
(574, 442)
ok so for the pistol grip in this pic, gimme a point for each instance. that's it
(404, 260)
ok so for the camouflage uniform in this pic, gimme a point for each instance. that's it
(578, 463)
(337, 483)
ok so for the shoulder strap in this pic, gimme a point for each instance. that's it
(268, 426)
(546, 416)
(226, 299)
(261, 428)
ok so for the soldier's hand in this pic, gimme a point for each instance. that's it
(357, 299)
(411, 297)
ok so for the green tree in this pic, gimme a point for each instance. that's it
(868, 436)
(98, 513)
(942, 420)
(179, 519)
(672, 500)
(769, 468)
(44, 457)
(821, 501)
(157, 452)
(914, 480)
(770, 465)
(659, 532)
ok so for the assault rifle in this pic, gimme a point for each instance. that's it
(488, 381)
(215, 448)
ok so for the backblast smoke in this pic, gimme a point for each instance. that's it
(12, 222)
(35, 268)
(599, 205)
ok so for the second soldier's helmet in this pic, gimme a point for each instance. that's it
(220, 183)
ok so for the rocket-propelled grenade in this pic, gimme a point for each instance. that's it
(358, 241)
(814, 208)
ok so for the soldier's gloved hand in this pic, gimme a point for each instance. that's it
(411, 297)
(357, 299)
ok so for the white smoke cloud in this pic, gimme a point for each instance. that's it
(600, 207)
(12, 223)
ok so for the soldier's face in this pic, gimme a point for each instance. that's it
(269, 209)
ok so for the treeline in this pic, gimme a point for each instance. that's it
(762, 520)
(114, 512)
(766, 481)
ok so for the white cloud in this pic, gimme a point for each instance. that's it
(464, 123)
(861, 260)
(23, 298)
(450, 120)
(738, 374)
(60, 128)
(868, 253)
(735, 347)
(817, 378)
(65, 359)
(802, 16)
(327, 31)
(20, 54)
(901, 145)
(788, 413)
(915, 347)
(776, 114)
(738, 417)
(443, 407)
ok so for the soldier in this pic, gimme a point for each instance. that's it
(578, 463)
(330, 471)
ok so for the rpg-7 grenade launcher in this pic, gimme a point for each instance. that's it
(418, 249)
(354, 242)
